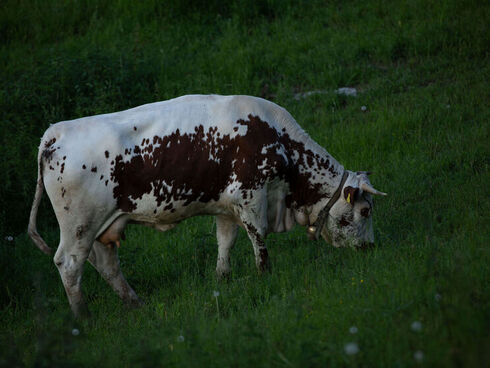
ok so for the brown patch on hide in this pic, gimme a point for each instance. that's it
(172, 167)
(50, 143)
(344, 221)
(62, 168)
(47, 153)
(84, 167)
(80, 231)
(253, 231)
(94, 169)
(63, 191)
(106, 153)
(365, 212)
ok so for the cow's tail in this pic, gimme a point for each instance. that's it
(32, 230)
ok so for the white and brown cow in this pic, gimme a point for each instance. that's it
(242, 159)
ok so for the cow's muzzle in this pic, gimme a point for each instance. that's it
(366, 246)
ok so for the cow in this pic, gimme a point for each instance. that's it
(242, 159)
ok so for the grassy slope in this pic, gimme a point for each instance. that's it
(423, 72)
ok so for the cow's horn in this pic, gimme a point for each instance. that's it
(368, 188)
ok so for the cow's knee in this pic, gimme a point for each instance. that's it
(70, 266)
(58, 258)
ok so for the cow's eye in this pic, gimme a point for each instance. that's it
(365, 212)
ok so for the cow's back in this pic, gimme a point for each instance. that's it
(165, 117)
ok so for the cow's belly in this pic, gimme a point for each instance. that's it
(231, 201)
(176, 211)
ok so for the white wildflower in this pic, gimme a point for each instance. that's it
(9, 238)
(418, 356)
(346, 91)
(180, 338)
(353, 330)
(363, 108)
(416, 326)
(216, 293)
(351, 348)
(75, 332)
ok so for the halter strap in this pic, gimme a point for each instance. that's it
(322, 216)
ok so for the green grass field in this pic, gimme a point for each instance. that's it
(421, 69)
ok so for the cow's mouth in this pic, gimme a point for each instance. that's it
(366, 246)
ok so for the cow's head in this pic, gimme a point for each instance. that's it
(349, 222)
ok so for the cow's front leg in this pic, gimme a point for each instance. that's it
(257, 237)
(105, 260)
(226, 232)
(254, 219)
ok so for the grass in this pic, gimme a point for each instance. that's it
(421, 69)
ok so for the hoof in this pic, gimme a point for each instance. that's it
(134, 303)
(223, 275)
(264, 269)
(81, 312)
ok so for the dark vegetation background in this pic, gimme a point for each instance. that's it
(421, 69)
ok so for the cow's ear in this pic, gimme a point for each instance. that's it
(350, 194)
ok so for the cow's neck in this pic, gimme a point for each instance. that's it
(315, 175)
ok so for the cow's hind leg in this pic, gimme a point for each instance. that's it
(70, 258)
(105, 260)
(226, 232)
